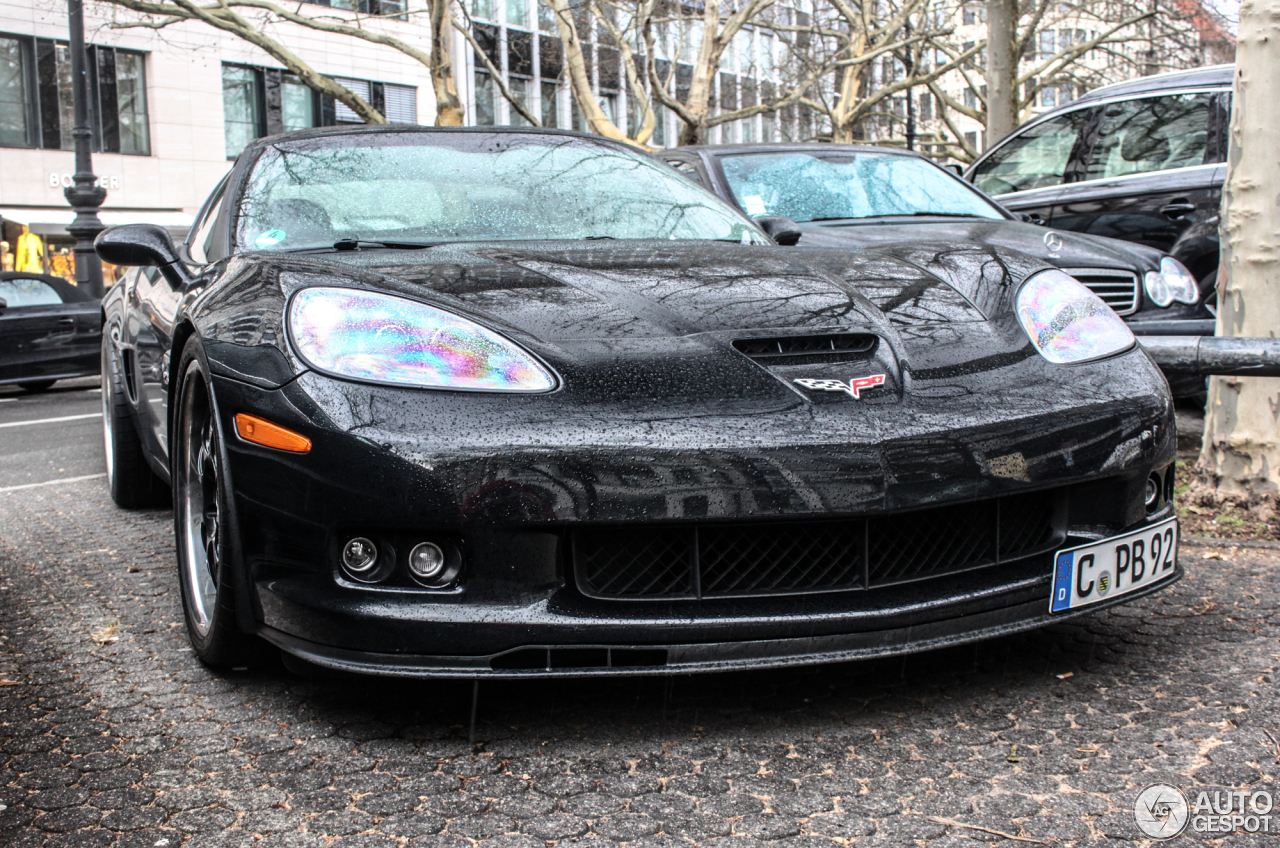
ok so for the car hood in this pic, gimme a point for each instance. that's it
(663, 319)
(1061, 248)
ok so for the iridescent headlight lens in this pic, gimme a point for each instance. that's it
(381, 338)
(1067, 322)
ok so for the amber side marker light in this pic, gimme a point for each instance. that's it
(260, 431)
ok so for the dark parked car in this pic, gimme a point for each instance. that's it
(856, 196)
(507, 402)
(1142, 161)
(50, 330)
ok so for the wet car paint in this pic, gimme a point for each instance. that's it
(658, 420)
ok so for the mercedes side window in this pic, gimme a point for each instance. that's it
(688, 169)
(1037, 158)
(201, 240)
(1151, 134)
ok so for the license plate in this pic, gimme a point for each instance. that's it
(1113, 567)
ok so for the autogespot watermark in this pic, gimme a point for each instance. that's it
(1163, 811)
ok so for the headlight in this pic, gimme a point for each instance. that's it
(380, 338)
(1067, 322)
(1184, 287)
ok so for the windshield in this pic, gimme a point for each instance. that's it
(421, 187)
(828, 185)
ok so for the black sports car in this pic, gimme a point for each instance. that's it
(49, 330)
(506, 402)
(844, 195)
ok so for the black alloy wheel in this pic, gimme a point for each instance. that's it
(200, 514)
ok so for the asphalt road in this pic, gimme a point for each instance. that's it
(112, 733)
(52, 435)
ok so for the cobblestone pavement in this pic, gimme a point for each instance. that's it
(113, 733)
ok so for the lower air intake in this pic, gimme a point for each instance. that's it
(795, 557)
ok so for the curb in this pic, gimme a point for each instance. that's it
(1214, 542)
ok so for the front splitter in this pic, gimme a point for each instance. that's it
(696, 658)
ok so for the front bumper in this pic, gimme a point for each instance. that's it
(509, 496)
(568, 636)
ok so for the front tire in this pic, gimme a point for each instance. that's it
(132, 482)
(200, 517)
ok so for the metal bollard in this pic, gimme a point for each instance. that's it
(1213, 355)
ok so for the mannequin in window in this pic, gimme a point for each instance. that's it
(30, 252)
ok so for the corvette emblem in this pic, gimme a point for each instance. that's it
(853, 387)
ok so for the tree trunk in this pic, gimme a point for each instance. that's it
(580, 76)
(1239, 457)
(1002, 69)
(449, 109)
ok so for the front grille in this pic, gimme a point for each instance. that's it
(795, 557)
(1117, 288)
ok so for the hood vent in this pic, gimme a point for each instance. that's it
(804, 350)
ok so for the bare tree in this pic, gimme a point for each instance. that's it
(871, 31)
(1240, 455)
(226, 15)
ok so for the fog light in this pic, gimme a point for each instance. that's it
(1152, 494)
(426, 560)
(359, 555)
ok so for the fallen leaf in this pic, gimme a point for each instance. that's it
(106, 635)
(4, 682)
(1212, 555)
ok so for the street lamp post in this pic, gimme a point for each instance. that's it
(84, 195)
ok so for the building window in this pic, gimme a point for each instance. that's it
(265, 101)
(517, 14)
(36, 105)
(519, 91)
(484, 100)
(241, 109)
(16, 99)
(378, 8)
(550, 105)
(297, 104)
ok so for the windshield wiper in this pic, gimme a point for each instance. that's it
(356, 244)
(599, 238)
(947, 215)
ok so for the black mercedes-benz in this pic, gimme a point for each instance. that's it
(508, 402)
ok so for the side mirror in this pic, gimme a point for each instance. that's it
(142, 244)
(782, 230)
(1025, 218)
(4, 304)
(956, 169)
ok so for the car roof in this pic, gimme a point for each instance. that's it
(786, 147)
(1216, 76)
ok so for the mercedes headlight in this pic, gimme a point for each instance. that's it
(379, 338)
(1068, 323)
(1172, 282)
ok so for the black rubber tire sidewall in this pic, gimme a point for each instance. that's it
(132, 483)
(224, 645)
